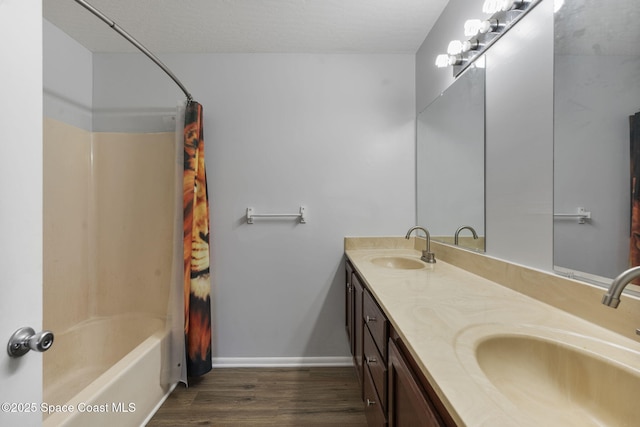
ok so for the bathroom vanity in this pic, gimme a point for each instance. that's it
(393, 387)
(441, 345)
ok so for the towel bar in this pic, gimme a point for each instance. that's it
(251, 215)
(581, 216)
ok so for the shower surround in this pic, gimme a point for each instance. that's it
(108, 255)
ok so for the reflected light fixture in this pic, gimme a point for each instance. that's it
(482, 33)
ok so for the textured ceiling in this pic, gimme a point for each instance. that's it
(247, 26)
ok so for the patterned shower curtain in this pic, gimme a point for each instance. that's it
(197, 285)
(634, 249)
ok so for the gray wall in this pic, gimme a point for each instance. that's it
(595, 94)
(332, 132)
(68, 78)
(519, 128)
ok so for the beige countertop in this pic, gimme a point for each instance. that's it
(443, 312)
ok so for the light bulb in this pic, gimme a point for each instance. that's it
(472, 27)
(442, 60)
(455, 47)
(488, 26)
(510, 4)
(491, 6)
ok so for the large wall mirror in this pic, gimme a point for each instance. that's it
(450, 162)
(597, 101)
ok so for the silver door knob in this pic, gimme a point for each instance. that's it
(25, 339)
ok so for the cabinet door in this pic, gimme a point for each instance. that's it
(408, 404)
(372, 408)
(358, 325)
(377, 323)
(349, 308)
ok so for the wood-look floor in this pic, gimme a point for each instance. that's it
(232, 397)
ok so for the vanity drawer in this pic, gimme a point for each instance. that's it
(372, 408)
(377, 368)
(376, 322)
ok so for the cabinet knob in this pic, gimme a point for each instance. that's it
(370, 402)
(371, 360)
(370, 319)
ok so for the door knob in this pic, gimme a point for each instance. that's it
(25, 339)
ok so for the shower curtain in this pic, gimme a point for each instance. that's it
(634, 250)
(197, 285)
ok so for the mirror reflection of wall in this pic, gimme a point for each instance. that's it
(596, 90)
(450, 161)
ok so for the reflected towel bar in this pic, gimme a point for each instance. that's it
(581, 216)
(251, 215)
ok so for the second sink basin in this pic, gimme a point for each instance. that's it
(398, 262)
(565, 381)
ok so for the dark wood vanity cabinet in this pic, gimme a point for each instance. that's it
(412, 401)
(354, 321)
(394, 391)
(375, 336)
(349, 301)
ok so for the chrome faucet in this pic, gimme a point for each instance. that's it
(427, 255)
(468, 227)
(612, 297)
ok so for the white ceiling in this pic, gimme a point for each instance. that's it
(247, 26)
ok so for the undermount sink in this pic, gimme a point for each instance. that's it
(562, 382)
(398, 262)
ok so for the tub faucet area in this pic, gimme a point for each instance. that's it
(427, 255)
(468, 227)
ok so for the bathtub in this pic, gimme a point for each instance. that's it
(105, 372)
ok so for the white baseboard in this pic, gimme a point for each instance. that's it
(280, 362)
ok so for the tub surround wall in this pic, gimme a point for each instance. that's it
(134, 214)
(67, 249)
(108, 230)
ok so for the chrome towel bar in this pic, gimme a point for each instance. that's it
(582, 215)
(251, 215)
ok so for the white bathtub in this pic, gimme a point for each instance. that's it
(107, 371)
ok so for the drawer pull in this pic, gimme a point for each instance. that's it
(370, 319)
(371, 360)
(370, 402)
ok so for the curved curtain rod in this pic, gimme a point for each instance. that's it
(136, 43)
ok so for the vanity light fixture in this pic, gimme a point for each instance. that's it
(482, 33)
